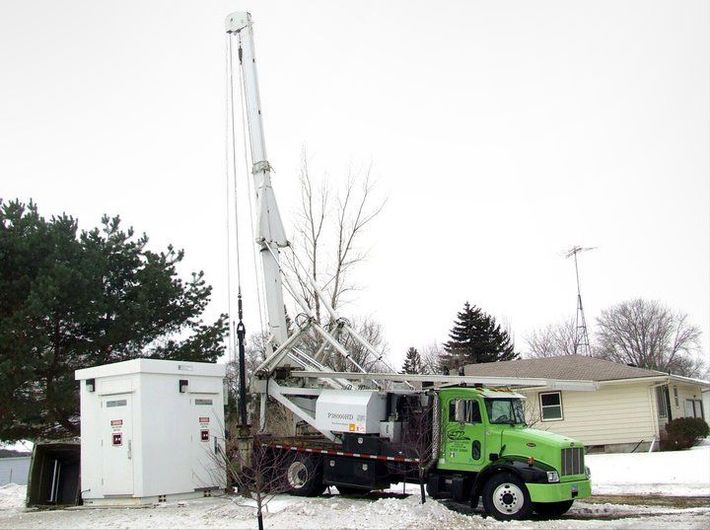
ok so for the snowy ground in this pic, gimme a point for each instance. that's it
(678, 473)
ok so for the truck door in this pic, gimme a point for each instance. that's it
(464, 433)
(116, 445)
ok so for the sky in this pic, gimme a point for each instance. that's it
(501, 133)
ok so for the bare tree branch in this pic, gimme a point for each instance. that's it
(552, 340)
(647, 334)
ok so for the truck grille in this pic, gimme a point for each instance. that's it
(573, 461)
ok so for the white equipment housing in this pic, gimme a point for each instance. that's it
(151, 430)
(356, 411)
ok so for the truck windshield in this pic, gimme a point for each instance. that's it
(505, 411)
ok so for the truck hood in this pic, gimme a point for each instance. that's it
(535, 443)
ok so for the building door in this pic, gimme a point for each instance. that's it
(663, 407)
(207, 440)
(116, 445)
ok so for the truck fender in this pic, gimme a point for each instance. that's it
(535, 473)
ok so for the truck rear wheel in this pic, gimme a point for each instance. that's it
(552, 509)
(304, 476)
(505, 497)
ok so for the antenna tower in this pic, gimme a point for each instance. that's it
(581, 335)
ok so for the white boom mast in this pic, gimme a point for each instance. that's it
(270, 233)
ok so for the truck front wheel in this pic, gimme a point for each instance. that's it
(304, 476)
(552, 509)
(505, 497)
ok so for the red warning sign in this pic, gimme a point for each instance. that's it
(116, 423)
(204, 419)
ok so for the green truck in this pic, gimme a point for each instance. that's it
(464, 443)
(486, 444)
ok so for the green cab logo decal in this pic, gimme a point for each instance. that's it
(457, 435)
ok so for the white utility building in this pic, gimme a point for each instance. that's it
(151, 430)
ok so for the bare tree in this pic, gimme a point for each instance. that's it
(431, 358)
(326, 245)
(553, 340)
(647, 334)
(325, 248)
(258, 471)
(417, 437)
(372, 332)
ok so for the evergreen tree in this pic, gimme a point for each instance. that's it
(412, 362)
(475, 338)
(71, 300)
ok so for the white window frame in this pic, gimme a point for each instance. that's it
(542, 409)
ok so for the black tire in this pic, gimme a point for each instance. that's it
(352, 491)
(552, 509)
(506, 498)
(304, 476)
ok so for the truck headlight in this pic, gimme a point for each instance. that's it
(587, 472)
(552, 476)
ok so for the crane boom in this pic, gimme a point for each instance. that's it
(270, 233)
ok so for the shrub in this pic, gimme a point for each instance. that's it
(683, 433)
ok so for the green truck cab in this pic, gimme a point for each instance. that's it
(487, 451)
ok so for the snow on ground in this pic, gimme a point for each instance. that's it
(344, 512)
(678, 473)
(12, 498)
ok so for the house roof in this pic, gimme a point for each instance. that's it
(567, 367)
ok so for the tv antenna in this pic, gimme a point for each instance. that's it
(581, 335)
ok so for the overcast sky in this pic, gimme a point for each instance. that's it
(501, 133)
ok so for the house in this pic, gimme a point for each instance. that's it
(626, 412)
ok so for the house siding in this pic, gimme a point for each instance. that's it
(614, 414)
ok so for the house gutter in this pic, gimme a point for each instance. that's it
(663, 379)
(575, 385)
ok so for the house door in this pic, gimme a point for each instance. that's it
(116, 445)
(663, 406)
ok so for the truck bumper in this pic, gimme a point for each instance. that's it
(562, 491)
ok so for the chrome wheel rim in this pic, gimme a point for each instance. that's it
(297, 475)
(508, 498)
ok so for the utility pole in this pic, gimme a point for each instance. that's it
(581, 335)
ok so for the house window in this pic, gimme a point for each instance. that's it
(675, 396)
(693, 408)
(551, 406)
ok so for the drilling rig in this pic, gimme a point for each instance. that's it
(464, 437)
